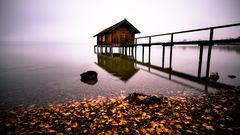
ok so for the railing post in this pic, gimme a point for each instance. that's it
(171, 47)
(142, 54)
(129, 51)
(209, 52)
(149, 54)
(132, 50)
(149, 50)
(125, 50)
(200, 61)
(136, 52)
(149, 40)
(163, 56)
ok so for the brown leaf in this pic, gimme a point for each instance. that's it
(154, 124)
(51, 131)
(159, 130)
(122, 121)
(207, 126)
(178, 126)
(74, 124)
(188, 117)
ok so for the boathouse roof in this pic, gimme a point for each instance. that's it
(113, 27)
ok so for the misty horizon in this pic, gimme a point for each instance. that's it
(78, 21)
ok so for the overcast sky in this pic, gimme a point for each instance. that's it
(79, 20)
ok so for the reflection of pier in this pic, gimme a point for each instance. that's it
(185, 76)
(131, 50)
(124, 67)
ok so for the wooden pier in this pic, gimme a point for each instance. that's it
(131, 49)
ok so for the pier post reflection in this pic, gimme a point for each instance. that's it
(125, 66)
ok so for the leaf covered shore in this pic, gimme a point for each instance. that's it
(216, 113)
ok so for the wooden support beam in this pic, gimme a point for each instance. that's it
(171, 47)
(143, 54)
(170, 58)
(200, 61)
(135, 52)
(129, 51)
(149, 40)
(132, 50)
(163, 56)
(149, 50)
(149, 54)
(209, 52)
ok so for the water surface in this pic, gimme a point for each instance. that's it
(41, 73)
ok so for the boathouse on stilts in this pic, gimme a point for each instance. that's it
(121, 34)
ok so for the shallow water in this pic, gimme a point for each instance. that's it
(40, 73)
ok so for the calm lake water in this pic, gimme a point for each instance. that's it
(41, 73)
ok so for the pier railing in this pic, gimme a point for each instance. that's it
(210, 42)
(211, 30)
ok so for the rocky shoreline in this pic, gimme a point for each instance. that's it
(217, 113)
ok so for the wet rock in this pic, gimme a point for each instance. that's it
(134, 97)
(232, 76)
(89, 77)
(140, 98)
(153, 100)
(214, 76)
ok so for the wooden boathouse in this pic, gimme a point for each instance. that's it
(121, 33)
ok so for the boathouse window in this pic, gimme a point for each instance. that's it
(103, 38)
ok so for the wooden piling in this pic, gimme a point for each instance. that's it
(171, 47)
(200, 61)
(209, 52)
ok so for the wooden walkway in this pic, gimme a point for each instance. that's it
(132, 49)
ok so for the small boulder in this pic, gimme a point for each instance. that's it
(214, 76)
(89, 77)
(153, 100)
(232, 76)
(140, 98)
(134, 98)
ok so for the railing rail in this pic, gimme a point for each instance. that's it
(194, 30)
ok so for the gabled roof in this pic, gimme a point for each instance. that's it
(110, 29)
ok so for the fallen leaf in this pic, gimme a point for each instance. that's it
(74, 124)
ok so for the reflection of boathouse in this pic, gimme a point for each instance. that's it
(120, 33)
(118, 65)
